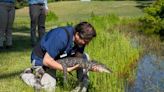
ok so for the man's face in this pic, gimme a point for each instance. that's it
(78, 40)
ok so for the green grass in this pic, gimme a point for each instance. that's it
(67, 11)
(115, 50)
(110, 47)
(81, 10)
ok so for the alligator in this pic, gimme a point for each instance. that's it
(87, 65)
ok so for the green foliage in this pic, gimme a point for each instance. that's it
(152, 22)
(51, 17)
(20, 3)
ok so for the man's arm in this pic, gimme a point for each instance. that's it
(51, 63)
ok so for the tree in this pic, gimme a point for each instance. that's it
(153, 21)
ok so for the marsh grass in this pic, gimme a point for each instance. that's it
(114, 50)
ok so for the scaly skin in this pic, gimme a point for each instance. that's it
(83, 63)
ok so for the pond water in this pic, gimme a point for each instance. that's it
(150, 75)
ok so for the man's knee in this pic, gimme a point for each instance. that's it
(47, 81)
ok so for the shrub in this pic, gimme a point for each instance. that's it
(153, 21)
(51, 16)
(20, 3)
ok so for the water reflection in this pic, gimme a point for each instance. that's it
(150, 75)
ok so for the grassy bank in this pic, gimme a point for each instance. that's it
(110, 47)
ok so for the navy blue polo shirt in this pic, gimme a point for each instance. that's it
(56, 41)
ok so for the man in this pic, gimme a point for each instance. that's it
(38, 10)
(7, 15)
(59, 43)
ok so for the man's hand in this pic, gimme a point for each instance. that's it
(46, 11)
(72, 68)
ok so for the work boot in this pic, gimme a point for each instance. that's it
(28, 78)
(28, 70)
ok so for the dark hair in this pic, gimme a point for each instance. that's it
(85, 30)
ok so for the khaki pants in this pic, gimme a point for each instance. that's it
(7, 15)
(46, 82)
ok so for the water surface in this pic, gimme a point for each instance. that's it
(150, 75)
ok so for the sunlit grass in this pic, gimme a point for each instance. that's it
(81, 10)
(115, 50)
(76, 10)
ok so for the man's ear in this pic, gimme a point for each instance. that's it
(77, 35)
